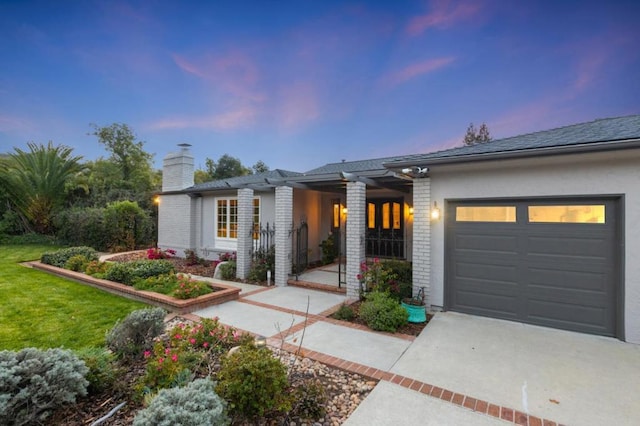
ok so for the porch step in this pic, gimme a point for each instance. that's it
(317, 286)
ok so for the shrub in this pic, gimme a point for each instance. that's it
(345, 313)
(163, 284)
(192, 258)
(329, 250)
(175, 361)
(188, 288)
(228, 270)
(129, 272)
(310, 399)
(33, 383)
(180, 286)
(131, 336)
(60, 257)
(254, 382)
(127, 226)
(401, 287)
(375, 277)
(157, 253)
(95, 268)
(196, 404)
(382, 312)
(168, 366)
(82, 226)
(263, 261)
(103, 372)
(77, 263)
(229, 256)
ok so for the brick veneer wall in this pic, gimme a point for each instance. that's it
(245, 225)
(356, 204)
(284, 220)
(422, 236)
(176, 213)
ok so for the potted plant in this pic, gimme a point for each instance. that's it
(415, 307)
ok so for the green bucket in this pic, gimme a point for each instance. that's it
(417, 313)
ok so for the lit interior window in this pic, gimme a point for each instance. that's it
(567, 214)
(486, 214)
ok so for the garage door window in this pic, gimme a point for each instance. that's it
(486, 214)
(593, 213)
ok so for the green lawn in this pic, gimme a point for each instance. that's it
(44, 311)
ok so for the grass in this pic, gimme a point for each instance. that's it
(45, 311)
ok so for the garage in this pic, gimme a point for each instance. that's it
(551, 262)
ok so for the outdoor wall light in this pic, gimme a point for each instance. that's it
(345, 210)
(435, 211)
(156, 200)
(411, 210)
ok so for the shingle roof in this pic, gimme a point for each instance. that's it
(352, 166)
(601, 130)
(257, 178)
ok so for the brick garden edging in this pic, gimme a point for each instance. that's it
(225, 293)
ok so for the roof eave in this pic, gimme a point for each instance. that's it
(525, 153)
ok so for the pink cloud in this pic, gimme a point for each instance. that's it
(298, 105)
(230, 120)
(415, 70)
(443, 14)
(233, 73)
(9, 123)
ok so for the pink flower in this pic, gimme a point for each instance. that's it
(174, 358)
(205, 344)
(166, 351)
(178, 336)
(359, 276)
(192, 341)
(236, 335)
(147, 354)
(160, 360)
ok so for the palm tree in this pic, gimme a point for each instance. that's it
(36, 181)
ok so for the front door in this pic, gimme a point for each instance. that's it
(385, 228)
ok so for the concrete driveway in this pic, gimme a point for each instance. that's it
(567, 377)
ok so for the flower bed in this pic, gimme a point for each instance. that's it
(222, 293)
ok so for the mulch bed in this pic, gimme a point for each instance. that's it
(180, 264)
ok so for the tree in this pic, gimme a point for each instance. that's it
(128, 154)
(474, 136)
(36, 182)
(260, 167)
(226, 167)
(127, 174)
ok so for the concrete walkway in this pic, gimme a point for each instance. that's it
(461, 370)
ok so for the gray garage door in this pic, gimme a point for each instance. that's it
(545, 262)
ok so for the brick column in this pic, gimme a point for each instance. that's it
(356, 204)
(245, 236)
(422, 237)
(284, 220)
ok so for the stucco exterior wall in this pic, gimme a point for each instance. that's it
(206, 221)
(307, 205)
(612, 173)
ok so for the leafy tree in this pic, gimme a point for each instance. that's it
(120, 141)
(37, 182)
(127, 174)
(475, 136)
(260, 167)
(226, 167)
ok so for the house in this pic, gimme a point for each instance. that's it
(539, 228)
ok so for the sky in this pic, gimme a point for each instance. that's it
(298, 84)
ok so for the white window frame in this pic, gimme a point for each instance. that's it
(229, 243)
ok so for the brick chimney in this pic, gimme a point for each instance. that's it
(177, 169)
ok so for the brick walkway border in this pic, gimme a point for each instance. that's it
(466, 401)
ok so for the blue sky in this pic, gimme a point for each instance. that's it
(301, 83)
